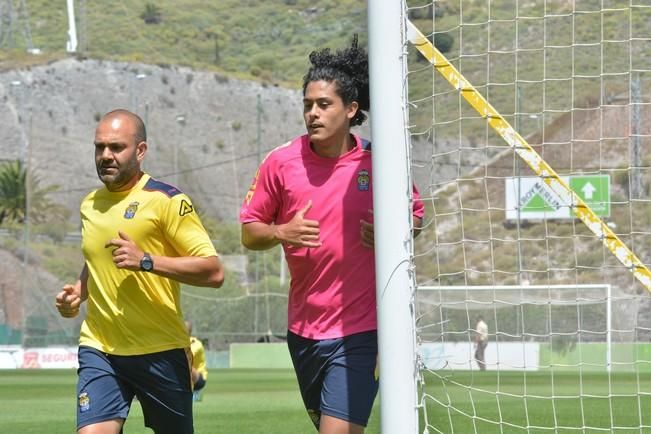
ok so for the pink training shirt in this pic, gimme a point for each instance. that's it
(332, 290)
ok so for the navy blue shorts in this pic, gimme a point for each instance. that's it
(200, 384)
(337, 377)
(161, 381)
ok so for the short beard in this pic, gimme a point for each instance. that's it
(123, 176)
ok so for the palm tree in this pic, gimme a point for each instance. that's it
(12, 192)
(13, 195)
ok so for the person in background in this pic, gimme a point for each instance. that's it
(314, 196)
(141, 238)
(199, 370)
(481, 341)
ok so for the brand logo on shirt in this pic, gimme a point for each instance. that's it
(130, 212)
(84, 402)
(186, 208)
(249, 194)
(363, 180)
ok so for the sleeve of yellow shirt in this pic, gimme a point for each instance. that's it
(183, 229)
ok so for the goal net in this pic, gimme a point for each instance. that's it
(529, 123)
(530, 324)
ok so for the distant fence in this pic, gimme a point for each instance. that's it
(626, 357)
(260, 356)
(254, 356)
(9, 335)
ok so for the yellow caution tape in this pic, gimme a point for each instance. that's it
(529, 155)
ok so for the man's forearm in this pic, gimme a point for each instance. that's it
(259, 236)
(191, 270)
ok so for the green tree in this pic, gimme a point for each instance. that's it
(13, 196)
(12, 192)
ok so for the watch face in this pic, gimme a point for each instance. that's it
(146, 263)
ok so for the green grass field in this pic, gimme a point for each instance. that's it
(268, 402)
(468, 403)
(235, 401)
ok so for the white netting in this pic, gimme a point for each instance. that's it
(573, 78)
(252, 307)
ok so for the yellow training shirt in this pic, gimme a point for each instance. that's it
(137, 312)
(198, 357)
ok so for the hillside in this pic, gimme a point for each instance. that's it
(470, 242)
(202, 127)
(266, 40)
(217, 84)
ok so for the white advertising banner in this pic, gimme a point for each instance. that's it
(12, 357)
(513, 356)
(9, 355)
(534, 199)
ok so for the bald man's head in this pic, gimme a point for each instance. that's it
(120, 146)
(139, 129)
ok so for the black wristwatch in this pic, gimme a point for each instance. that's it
(146, 263)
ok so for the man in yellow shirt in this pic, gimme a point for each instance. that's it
(141, 238)
(199, 370)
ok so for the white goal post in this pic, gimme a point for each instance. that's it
(554, 91)
(392, 220)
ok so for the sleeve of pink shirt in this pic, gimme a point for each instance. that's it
(419, 206)
(263, 199)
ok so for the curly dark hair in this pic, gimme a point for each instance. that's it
(348, 68)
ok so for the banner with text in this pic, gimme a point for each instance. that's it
(512, 356)
(535, 200)
(15, 357)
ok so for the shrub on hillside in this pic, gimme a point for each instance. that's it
(443, 42)
(151, 14)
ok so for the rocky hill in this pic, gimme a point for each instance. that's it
(206, 132)
(203, 128)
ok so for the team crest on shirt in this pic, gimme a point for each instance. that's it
(363, 180)
(84, 402)
(130, 212)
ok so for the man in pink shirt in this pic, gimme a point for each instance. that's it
(314, 196)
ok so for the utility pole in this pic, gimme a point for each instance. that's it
(282, 266)
(180, 119)
(84, 26)
(23, 15)
(7, 19)
(24, 112)
(10, 17)
(258, 254)
(71, 45)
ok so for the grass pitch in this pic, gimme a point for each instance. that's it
(234, 401)
(268, 402)
(538, 402)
